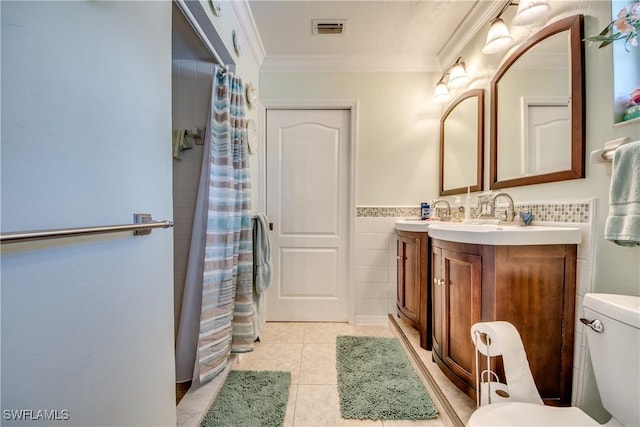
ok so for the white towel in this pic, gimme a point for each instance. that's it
(623, 223)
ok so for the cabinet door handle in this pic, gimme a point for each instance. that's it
(399, 257)
(435, 281)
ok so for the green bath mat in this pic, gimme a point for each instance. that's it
(376, 381)
(250, 399)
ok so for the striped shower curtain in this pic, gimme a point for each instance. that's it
(224, 323)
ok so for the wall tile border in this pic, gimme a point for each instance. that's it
(387, 211)
(543, 211)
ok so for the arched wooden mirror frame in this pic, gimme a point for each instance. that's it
(573, 24)
(477, 186)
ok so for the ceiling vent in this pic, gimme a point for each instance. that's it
(328, 26)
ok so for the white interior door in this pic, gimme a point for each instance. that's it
(307, 155)
(548, 130)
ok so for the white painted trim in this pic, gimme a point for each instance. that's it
(249, 29)
(200, 20)
(352, 106)
(372, 320)
(198, 30)
(477, 18)
(351, 63)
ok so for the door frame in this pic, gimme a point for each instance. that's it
(296, 104)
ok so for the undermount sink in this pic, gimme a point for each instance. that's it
(412, 224)
(496, 234)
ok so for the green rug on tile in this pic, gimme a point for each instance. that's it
(376, 381)
(250, 399)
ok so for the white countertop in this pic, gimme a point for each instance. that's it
(413, 224)
(494, 234)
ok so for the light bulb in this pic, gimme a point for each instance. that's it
(530, 11)
(441, 94)
(458, 75)
(498, 37)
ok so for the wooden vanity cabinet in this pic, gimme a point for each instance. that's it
(413, 293)
(532, 287)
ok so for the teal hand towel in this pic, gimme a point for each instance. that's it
(261, 254)
(623, 223)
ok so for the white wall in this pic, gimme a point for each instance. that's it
(86, 119)
(398, 128)
(376, 269)
(191, 83)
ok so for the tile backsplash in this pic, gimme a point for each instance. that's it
(387, 211)
(574, 212)
(558, 212)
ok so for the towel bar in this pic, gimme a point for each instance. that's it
(142, 226)
(606, 154)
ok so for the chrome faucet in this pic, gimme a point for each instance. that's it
(448, 211)
(510, 213)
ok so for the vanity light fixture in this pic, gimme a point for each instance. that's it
(441, 94)
(498, 37)
(458, 75)
(530, 11)
(457, 78)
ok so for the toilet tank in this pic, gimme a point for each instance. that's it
(615, 353)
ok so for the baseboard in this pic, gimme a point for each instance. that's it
(196, 403)
(381, 320)
(439, 395)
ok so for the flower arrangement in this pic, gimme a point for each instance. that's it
(634, 98)
(625, 27)
(633, 106)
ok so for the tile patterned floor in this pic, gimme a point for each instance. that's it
(307, 350)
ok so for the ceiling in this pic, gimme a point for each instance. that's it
(407, 34)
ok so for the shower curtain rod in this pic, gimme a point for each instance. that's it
(200, 32)
(141, 228)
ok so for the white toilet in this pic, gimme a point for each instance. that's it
(615, 353)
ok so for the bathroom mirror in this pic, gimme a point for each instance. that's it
(537, 109)
(462, 144)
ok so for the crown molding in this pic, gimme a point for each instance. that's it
(350, 63)
(249, 29)
(477, 17)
